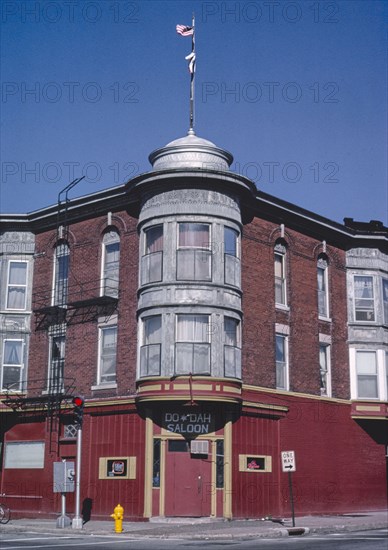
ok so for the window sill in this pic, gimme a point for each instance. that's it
(104, 387)
(282, 307)
(326, 319)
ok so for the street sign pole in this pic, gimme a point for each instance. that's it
(291, 498)
(77, 520)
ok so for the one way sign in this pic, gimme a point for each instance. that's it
(288, 461)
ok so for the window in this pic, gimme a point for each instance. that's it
(220, 463)
(151, 349)
(108, 350)
(111, 264)
(61, 274)
(366, 367)
(22, 455)
(192, 350)
(385, 300)
(156, 464)
(232, 351)
(152, 260)
(17, 283)
(232, 262)
(323, 295)
(386, 374)
(194, 254)
(281, 362)
(12, 365)
(280, 275)
(364, 298)
(57, 363)
(324, 369)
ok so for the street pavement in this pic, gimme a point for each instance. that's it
(208, 529)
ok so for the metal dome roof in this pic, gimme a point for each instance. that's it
(190, 151)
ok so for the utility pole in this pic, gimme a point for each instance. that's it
(79, 402)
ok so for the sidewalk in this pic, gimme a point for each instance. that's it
(212, 529)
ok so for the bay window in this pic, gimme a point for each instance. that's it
(194, 254)
(17, 285)
(152, 259)
(385, 300)
(367, 378)
(232, 351)
(364, 298)
(231, 257)
(150, 351)
(13, 363)
(192, 348)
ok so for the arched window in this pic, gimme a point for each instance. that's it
(110, 264)
(323, 294)
(280, 273)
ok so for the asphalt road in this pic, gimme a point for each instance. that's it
(365, 540)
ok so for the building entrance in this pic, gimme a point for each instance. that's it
(188, 481)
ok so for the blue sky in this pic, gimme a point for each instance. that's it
(296, 91)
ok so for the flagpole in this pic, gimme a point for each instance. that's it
(192, 75)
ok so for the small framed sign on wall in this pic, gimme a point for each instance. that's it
(117, 467)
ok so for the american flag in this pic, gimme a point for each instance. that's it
(184, 30)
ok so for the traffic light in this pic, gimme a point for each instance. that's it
(78, 403)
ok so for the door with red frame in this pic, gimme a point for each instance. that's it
(188, 481)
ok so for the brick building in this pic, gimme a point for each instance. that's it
(206, 325)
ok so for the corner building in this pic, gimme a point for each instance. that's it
(206, 325)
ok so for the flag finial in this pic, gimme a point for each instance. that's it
(185, 30)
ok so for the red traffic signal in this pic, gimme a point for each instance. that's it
(78, 401)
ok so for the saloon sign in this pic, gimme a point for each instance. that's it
(188, 423)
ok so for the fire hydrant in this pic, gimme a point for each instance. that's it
(117, 515)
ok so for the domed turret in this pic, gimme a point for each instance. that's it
(191, 151)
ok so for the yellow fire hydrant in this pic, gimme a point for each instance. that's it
(117, 515)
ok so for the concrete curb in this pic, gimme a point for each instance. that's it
(239, 533)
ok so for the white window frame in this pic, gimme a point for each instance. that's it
(20, 365)
(109, 238)
(207, 248)
(16, 285)
(280, 251)
(364, 275)
(100, 382)
(285, 363)
(206, 340)
(374, 352)
(323, 266)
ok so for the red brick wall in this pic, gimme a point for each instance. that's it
(260, 314)
(85, 239)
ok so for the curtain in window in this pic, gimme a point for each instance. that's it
(194, 235)
(17, 285)
(13, 352)
(193, 328)
(323, 367)
(12, 365)
(154, 239)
